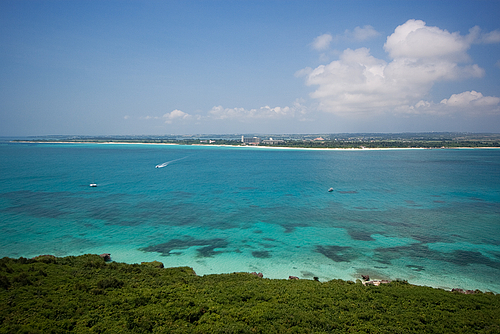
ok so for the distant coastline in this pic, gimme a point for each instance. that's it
(252, 146)
(329, 141)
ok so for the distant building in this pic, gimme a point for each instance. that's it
(271, 141)
(250, 140)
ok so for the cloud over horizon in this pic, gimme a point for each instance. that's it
(420, 56)
(175, 115)
(190, 67)
(358, 86)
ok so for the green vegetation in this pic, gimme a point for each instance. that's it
(84, 294)
(362, 140)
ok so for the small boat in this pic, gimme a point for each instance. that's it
(93, 184)
(330, 190)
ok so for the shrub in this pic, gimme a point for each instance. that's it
(4, 282)
(109, 283)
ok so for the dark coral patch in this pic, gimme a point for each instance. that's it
(416, 250)
(463, 258)
(496, 254)
(207, 251)
(182, 194)
(360, 235)
(91, 226)
(261, 254)
(221, 225)
(422, 251)
(429, 238)
(306, 273)
(364, 208)
(337, 253)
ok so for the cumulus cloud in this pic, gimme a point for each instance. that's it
(469, 103)
(417, 41)
(175, 115)
(470, 98)
(362, 34)
(322, 42)
(219, 112)
(239, 115)
(476, 36)
(344, 85)
(358, 83)
(491, 37)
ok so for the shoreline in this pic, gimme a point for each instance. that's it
(357, 279)
(262, 147)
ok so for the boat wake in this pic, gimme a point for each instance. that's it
(165, 164)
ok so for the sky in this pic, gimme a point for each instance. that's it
(273, 66)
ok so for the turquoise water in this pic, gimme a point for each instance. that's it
(431, 217)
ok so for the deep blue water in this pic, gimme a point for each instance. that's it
(431, 217)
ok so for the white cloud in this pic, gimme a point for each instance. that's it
(415, 40)
(420, 56)
(322, 42)
(470, 103)
(471, 98)
(491, 37)
(241, 114)
(476, 36)
(344, 85)
(175, 115)
(362, 34)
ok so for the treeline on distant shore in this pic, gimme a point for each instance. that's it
(425, 140)
(389, 144)
(86, 294)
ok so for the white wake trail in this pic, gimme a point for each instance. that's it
(165, 164)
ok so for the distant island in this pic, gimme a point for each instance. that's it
(429, 140)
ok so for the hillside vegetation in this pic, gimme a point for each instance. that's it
(85, 294)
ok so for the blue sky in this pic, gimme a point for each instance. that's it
(190, 67)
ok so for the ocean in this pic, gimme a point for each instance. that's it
(431, 217)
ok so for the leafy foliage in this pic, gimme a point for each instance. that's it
(84, 294)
